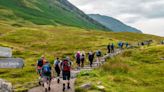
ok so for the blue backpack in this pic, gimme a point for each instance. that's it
(46, 69)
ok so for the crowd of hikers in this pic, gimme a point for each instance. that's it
(62, 67)
(46, 73)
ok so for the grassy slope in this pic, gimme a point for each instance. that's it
(138, 70)
(44, 12)
(31, 42)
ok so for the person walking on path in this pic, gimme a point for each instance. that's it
(98, 54)
(109, 48)
(91, 58)
(127, 45)
(112, 48)
(82, 58)
(66, 72)
(46, 76)
(162, 42)
(57, 69)
(77, 56)
(39, 65)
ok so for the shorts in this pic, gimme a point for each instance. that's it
(66, 75)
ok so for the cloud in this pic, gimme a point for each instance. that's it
(116, 8)
(147, 15)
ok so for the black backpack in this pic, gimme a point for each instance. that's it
(98, 53)
(40, 62)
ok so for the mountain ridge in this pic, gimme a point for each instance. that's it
(113, 24)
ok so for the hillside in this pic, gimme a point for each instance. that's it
(30, 43)
(136, 70)
(44, 12)
(113, 24)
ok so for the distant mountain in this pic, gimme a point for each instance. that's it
(113, 24)
(46, 12)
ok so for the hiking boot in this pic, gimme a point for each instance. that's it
(63, 87)
(49, 88)
(58, 81)
(40, 83)
(68, 86)
(46, 90)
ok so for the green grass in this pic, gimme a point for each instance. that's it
(32, 41)
(45, 12)
(35, 27)
(136, 70)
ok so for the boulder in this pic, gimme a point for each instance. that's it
(86, 86)
(11, 63)
(5, 86)
(5, 52)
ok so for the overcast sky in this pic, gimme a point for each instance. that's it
(146, 15)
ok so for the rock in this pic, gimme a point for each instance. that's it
(86, 86)
(101, 88)
(162, 58)
(11, 63)
(5, 86)
(5, 52)
(74, 73)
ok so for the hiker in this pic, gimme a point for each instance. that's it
(77, 56)
(66, 72)
(40, 63)
(91, 57)
(121, 45)
(142, 44)
(162, 42)
(112, 48)
(109, 48)
(57, 69)
(46, 76)
(39, 66)
(98, 54)
(127, 44)
(82, 59)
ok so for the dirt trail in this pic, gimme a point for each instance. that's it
(55, 87)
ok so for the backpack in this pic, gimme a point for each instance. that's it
(46, 69)
(82, 56)
(57, 63)
(98, 53)
(66, 66)
(40, 62)
(78, 55)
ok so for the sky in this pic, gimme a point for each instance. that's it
(145, 15)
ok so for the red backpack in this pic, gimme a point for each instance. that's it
(66, 66)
